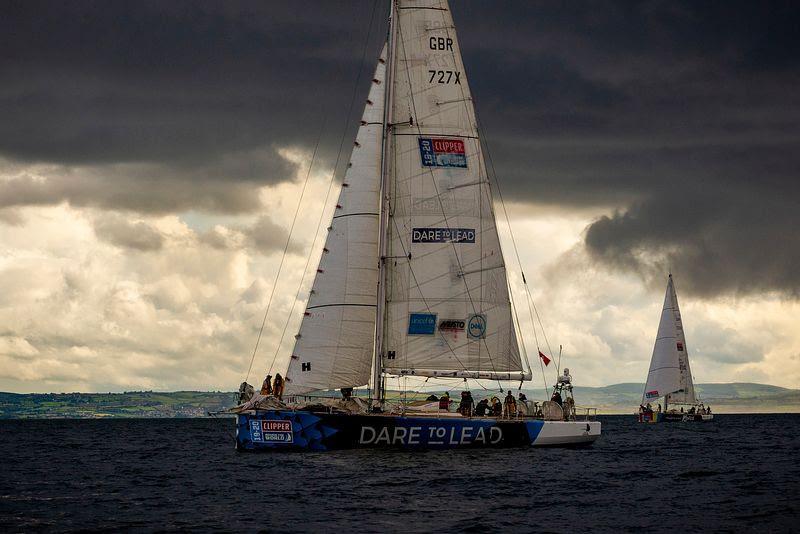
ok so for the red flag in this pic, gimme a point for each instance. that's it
(544, 358)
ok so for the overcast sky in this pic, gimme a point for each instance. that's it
(152, 155)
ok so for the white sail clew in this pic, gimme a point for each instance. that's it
(334, 347)
(670, 374)
(448, 311)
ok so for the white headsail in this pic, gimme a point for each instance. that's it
(669, 367)
(448, 311)
(334, 347)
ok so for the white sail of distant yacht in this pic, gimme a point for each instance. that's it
(413, 283)
(670, 375)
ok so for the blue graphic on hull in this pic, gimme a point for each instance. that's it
(310, 431)
(307, 431)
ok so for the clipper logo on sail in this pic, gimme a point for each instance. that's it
(438, 152)
(651, 394)
(443, 235)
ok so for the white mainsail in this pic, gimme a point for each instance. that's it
(669, 373)
(335, 345)
(448, 311)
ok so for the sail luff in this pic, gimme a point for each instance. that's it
(380, 315)
(334, 346)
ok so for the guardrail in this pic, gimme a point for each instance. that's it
(587, 413)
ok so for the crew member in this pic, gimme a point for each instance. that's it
(266, 387)
(482, 408)
(444, 402)
(277, 388)
(497, 408)
(510, 405)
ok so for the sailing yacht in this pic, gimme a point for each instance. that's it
(412, 280)
(670, 377)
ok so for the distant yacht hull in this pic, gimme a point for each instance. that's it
(658, 417)
(301, 430)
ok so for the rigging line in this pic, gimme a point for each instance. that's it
(286, 246)
(536, 338)
(478, 129)
(436, 187)
(330, 184)
(531, 302)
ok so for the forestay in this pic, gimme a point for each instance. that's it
(334, 347)
(448, 311)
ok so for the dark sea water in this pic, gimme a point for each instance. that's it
(739, 473)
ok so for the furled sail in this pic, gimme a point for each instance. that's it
(335, 345)
(448, 311)
(669, 367)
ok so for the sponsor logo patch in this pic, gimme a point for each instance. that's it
(476, 326)
(452, 325)
(443, 235)
(272, 431)
(421, 324)
(439, 152)
(651, 394)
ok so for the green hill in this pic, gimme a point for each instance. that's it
(616, 398)
(739, 397)
(128, 404)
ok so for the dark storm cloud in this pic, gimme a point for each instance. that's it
(225, 185)
(91, 82)
(165, 107)
(683, 116)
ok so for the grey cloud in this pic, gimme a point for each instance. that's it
(226, 185)
(219, 238)
(127, 234)
(11, 217)
(267, 237)
(119, 82)
(681, 116)
(264, 236)
(721, 242)
(633, 106)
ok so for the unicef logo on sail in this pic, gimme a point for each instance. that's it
(476, 326)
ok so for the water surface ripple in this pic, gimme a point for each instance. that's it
(739, 473)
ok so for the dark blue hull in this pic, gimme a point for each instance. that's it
(304, 430)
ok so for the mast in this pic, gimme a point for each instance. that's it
(380, 320)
